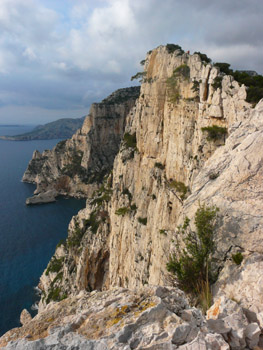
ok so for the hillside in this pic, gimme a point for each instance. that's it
(189, 144)
(59, 129)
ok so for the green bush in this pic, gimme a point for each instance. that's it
(237, 258)
(127, 193)
(129, 140)
(133, 207)
(183, 70)
(203, 56)
(224, 68)
(192, 265)
(217, 83)
(213, 176)
(173, 89)
(142, 221)
(180, 187)
(75, 238)
(139, 75)
(171, 48)
(55, 265)
(163, 232)
(159, 166)
(92, 222)
(122, 211)
(254, 83)
(214, 132)
(196, 85)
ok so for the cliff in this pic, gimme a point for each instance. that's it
(75, 164)
(191, 139)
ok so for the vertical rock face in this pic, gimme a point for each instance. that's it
(124, 235)
(74, 164)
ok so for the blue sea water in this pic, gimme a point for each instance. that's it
(28, 234)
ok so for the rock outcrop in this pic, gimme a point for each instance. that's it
(123, 237)
(191, 139)
(148, 318)
(74, 165)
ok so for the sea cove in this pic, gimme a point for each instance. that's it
(28, 235)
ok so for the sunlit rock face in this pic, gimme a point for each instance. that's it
(189, 139)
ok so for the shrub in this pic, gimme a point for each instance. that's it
(195, 86)
(142, 221)
(214, 132)
(139, 75)
(75, 238)
(183, 70)
(171, 48)
(203, 56)
(180, 187)
(224, 68)
(217, 82)
(163, 232)
(159, 165)
(92, 222)
(237, 258)
(55, 265)
(129, 140)
(153, 196)
(142, 62)
(213, 176)
(127, 192)
(133, 207)
(173, 89)
(192, 266)
(122, 211)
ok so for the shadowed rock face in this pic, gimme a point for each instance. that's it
(75, 164)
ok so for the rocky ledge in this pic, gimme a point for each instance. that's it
(152, 318)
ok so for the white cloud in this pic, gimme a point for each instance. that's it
(30, 54)
(88, 48)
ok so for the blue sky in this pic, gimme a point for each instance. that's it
(59, 56)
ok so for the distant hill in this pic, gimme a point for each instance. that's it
(59, 129)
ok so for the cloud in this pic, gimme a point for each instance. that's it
(64, 55)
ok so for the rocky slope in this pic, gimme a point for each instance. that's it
(191, 139)
(75, 164)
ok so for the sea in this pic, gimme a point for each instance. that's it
(28, 234)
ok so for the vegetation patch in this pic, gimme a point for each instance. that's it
(130, 141)
(75, 238)
(253, 82)
(74, 167)
(55, 265)
(237, 258)
(192, 265)
(127, 193)
(171, 48)
(203, 57)
(163, 232)
(214, 132)
(142, 221)
(92, 222)
(159, 166)
(217, 83)
(182, 71)
(213, 176)
(179, 187)
(196, 85)
(122, 211)
(140, 76)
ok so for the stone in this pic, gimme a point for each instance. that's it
(252, 334)
(25, 317)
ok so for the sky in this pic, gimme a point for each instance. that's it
(59, 56)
